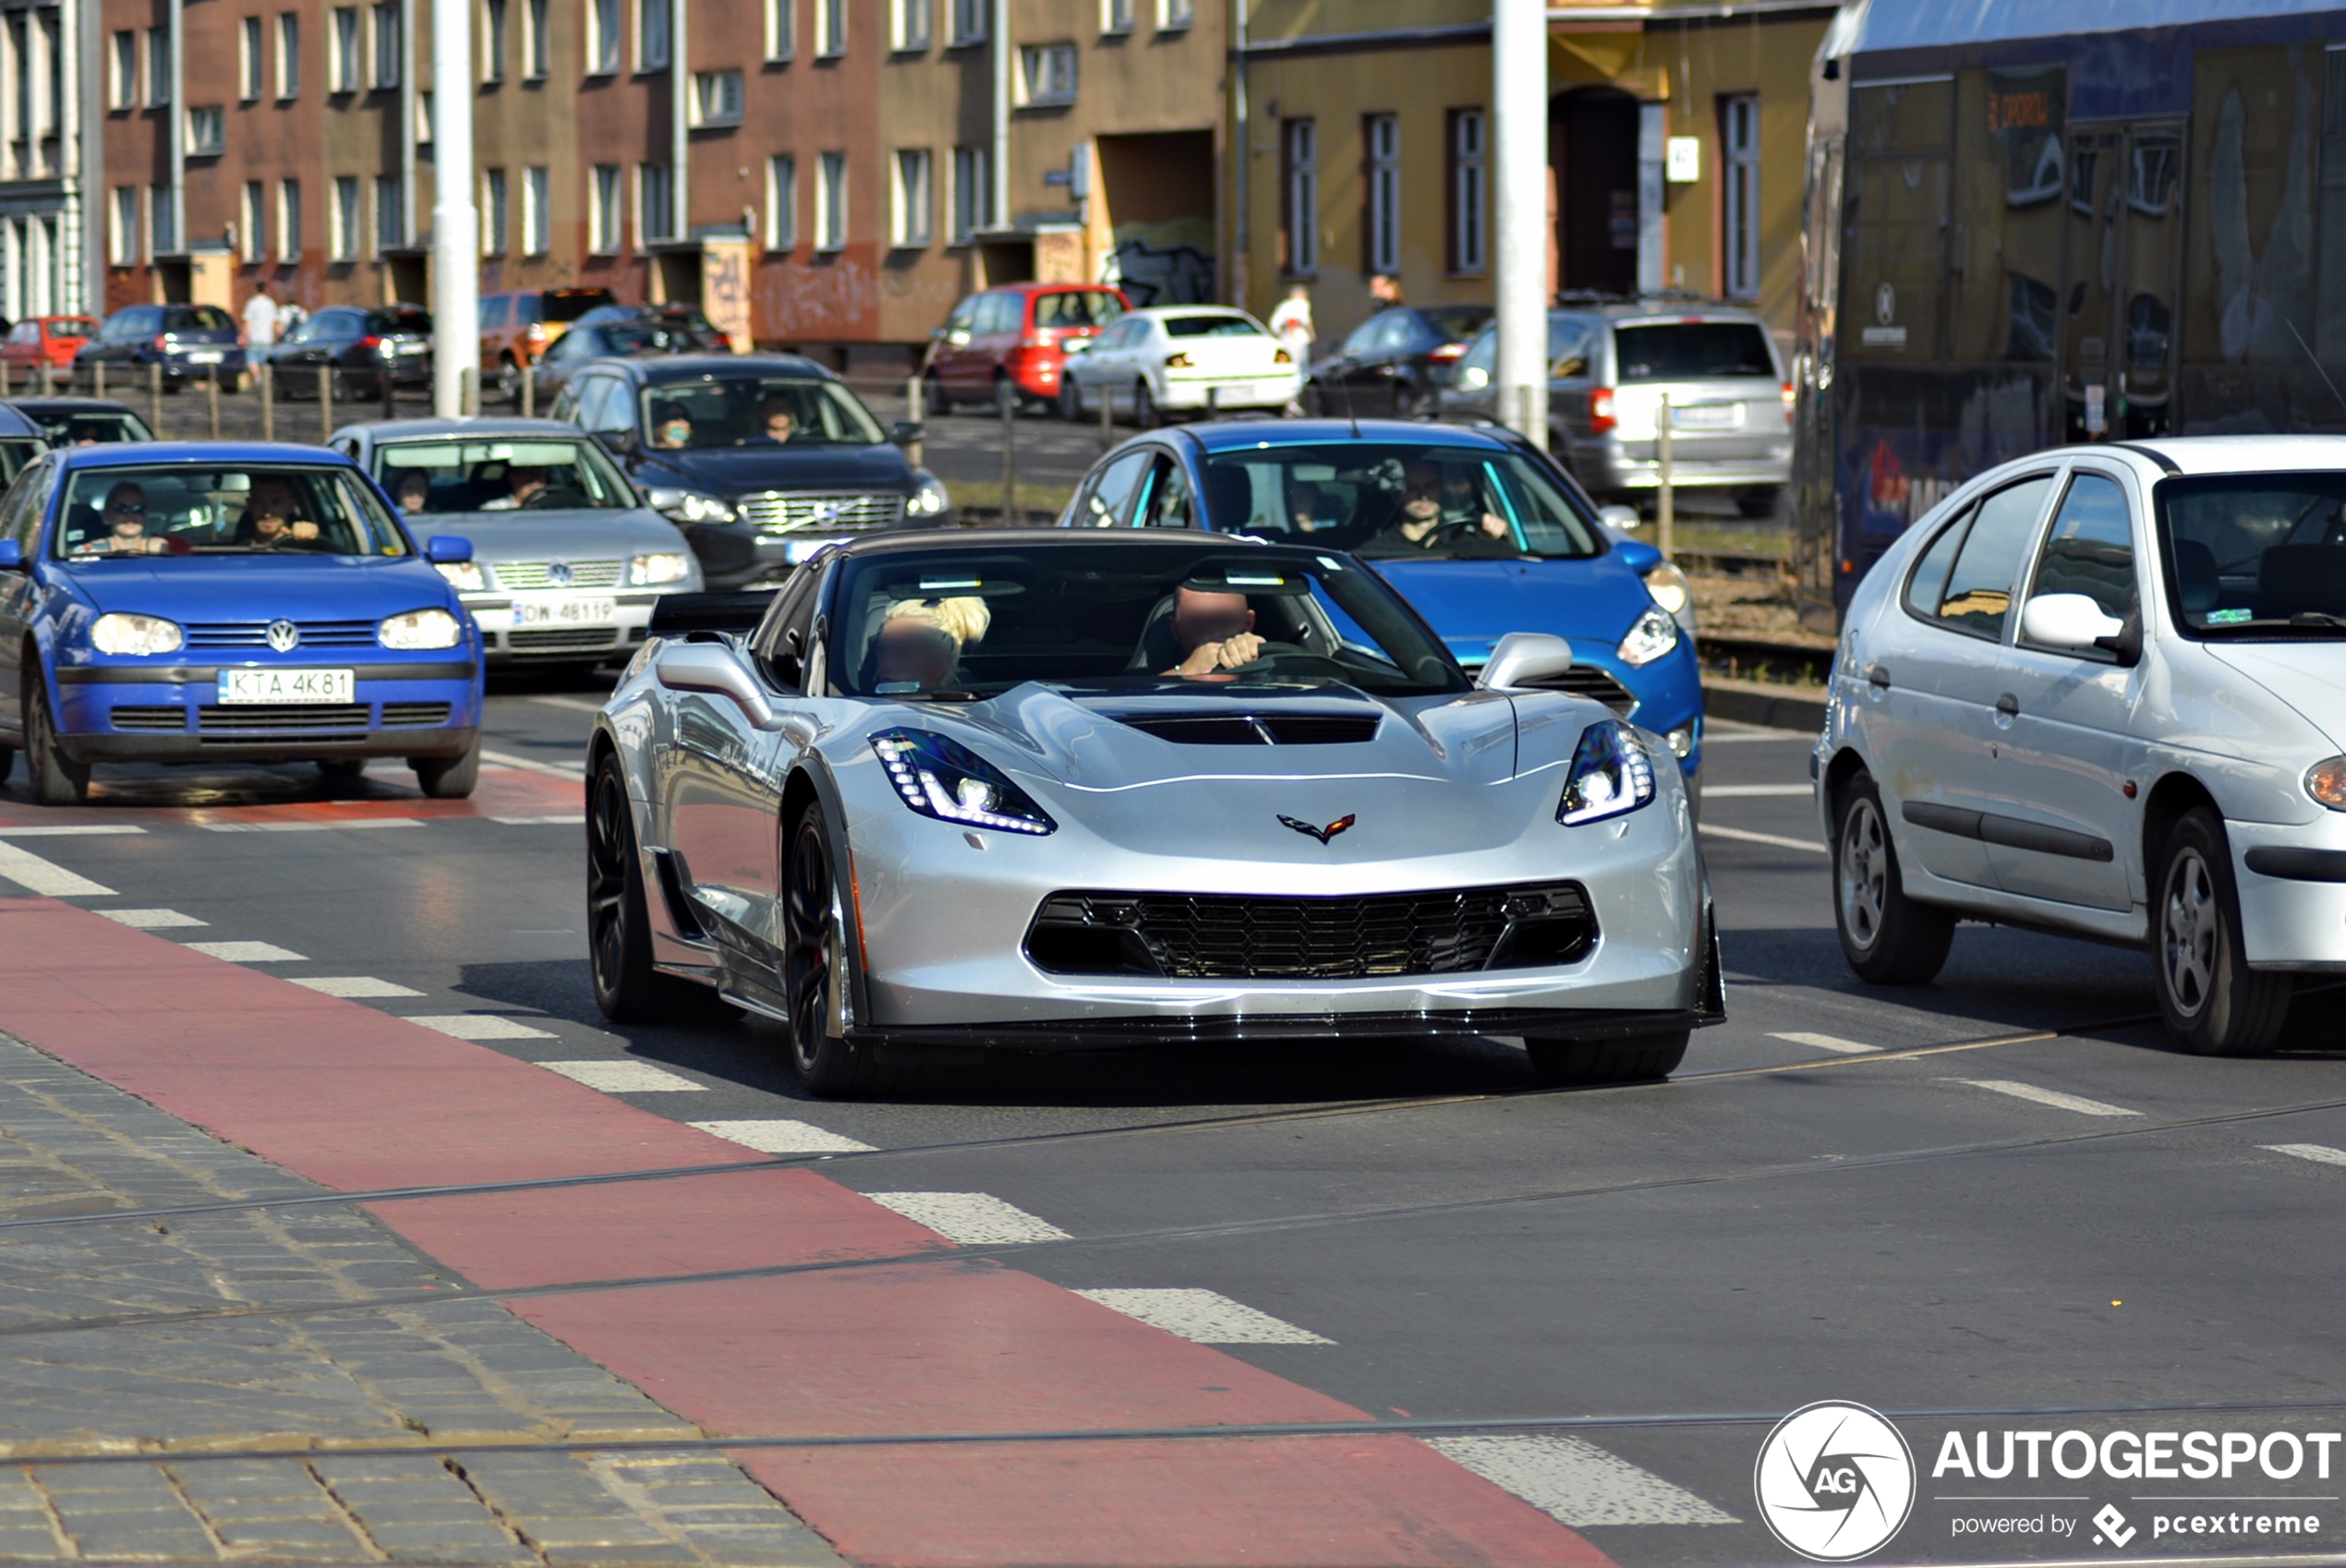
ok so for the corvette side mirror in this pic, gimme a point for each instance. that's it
(1521, 657)
(707, 667)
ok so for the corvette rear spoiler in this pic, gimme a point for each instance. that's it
(676, 614)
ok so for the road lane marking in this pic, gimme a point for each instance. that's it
(151, 920)
(1773, 840)
(781, 1136)
(973, 1219)
(1576, 1483)
(481, 1026)
(313, 827)
(2052, 1097)
(353, 986)
(248, 952)
(576, 819)
(615, 1078)
(1825, 1041)
(529, 765)
(2320, 1154)
(576, 705)
(1206, 1316)
(1714, 737)
(1758, 791)
(34, 875)
(75, 830)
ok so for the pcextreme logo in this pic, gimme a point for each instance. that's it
(1835, 1481)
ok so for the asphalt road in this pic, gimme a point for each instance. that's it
(1996, 1194)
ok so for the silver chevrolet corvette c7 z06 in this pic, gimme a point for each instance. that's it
(945, 794)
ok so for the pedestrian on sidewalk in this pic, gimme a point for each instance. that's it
(261, 319)
(1291, 323)
(1385, 291)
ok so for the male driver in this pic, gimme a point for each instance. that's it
(126, 518)
(1216, 633)
(1424, 529)
(523, 484)
(272, 517)
(780, 415)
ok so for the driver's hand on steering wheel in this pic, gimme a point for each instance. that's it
(1244, 647)
(1495, 526)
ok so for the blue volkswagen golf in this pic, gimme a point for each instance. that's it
(195, 602)
(1480, 532)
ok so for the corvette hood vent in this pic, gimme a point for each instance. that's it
(1225, 728)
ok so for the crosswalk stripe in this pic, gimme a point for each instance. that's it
(1758, 791)
(248, 952)
(1824, 1042)
(1576, 1483)
(781, 1136)
(353, 986)
(575, 819)
(2052, 1097)
(973, 1219)
(623, 1078)
(73, 830)
(1206, 1316)
(1773, 840)
(2320, 1154)
(483, 1026)
(152, 920)
(347, 824)
(34, 875)
(531, 765)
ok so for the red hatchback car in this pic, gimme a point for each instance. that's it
(1012, 341)
(46, 339)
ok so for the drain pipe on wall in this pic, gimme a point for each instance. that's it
(1003, 68)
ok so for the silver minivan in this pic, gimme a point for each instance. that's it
(1612, 364)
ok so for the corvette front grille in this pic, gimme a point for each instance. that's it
(1220, 936)
(776, 512)
(1594, 682)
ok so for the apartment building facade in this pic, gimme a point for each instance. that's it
(48, 255)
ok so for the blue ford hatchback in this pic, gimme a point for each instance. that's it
(190, 602)
(1479, 530)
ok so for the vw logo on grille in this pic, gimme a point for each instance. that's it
(558, 573)
(284, 635)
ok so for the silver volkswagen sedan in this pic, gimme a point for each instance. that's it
(567, 562)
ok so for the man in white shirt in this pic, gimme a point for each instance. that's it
(261, 318)
(1291, 323)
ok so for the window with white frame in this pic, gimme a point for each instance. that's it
(604, 36)
(1115, 16)
(538, 53)
(423, 118)
(830, 27)
(342, 231)
(207, 131)
(288, 54)
(390, 212)
(651, 35)
(1470, 192)
(602, 209)
(717, 98)
(492, 39)
(781, 202)
(496, 213)
(1739, 195)
(252, 223)
(536, 210)
(969, 23)
(288, 220)
(1300, 197)
(347, 46)
(163, 222)
(972, 192)
(1174, 15)
(122, 71)
(830, 202)
(251, 64)
(121, 233)
(158, 67)
(389, 51)
(781, 30)
(911, 200)
(1381, 230)
(908, 25)
(653, 214)
(1046, 74)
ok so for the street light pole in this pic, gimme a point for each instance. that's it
(455, 224)
(1519, 110)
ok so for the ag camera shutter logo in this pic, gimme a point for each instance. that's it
(1835, 1481)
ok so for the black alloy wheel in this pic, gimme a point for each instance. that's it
(619, 937)
(813, 960)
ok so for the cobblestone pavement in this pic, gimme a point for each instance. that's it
(463, 1370)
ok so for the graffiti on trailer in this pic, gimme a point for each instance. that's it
(1149, 274)
(724, 288)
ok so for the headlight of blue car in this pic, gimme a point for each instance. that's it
(1655, 633)
(691, 506)
(420, 629)
(928, 498)
(939, 777)
(120, 634)
(1610, 775)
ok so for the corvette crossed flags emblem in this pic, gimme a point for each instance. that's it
(1322, 834)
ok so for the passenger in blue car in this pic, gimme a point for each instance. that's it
(123, 520)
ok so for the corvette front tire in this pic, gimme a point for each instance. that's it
(814, 968)
(619, 933)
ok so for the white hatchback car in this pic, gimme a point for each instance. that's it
(2101, 692)
(1180, 358)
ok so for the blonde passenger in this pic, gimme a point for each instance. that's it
(921, 641)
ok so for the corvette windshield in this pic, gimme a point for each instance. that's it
(2256, 555)
(263, 509)
(1398, 500)
(963, 623)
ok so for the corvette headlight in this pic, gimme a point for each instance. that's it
(420, 629)
(136, 634)
(691, 506)
(465, 576)
(1669, 587)
(664, 567)
(1655, 633)
(1610, 775)
(939, 777)
(928, 498)
(2326, 781)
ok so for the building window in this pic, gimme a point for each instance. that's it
(342, 235)
(782, 29)
(969, 23)
(496, 213)
(344, 74)
(781, 202)
(122, 72)
(602, 209)
(536, 210)
(651, 35)
(122, 235)
(423, 118)
(1115, 16)
(1739, 195)
(1046, 74)
(831, 29)
(288, 220)
(249, 63)
(717, 98)
(163, 222)
(289, 56)
(830, 203)
(911, 201)
(1470, 192)
(1381, 230)
(158, 67)
(207, 131)
(390, 213)
(253, 237)
(908, 25)
(1300, 197)
(536, 52)
(388, 52)
(653, 216)
(492, 39)
(972, 192)
(1173, 14)
(602, 37)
